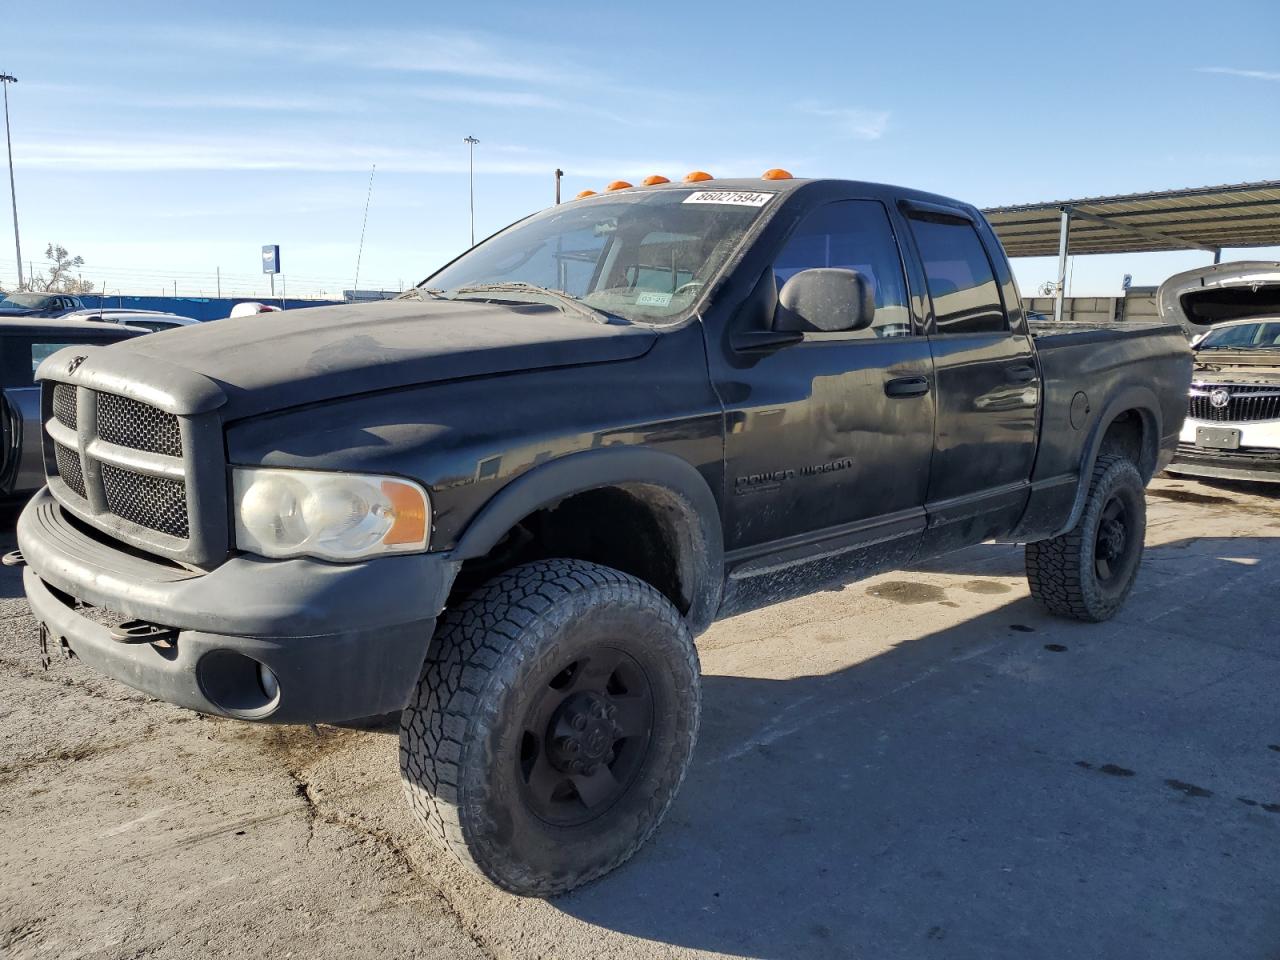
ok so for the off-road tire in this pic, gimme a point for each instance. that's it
(461, 733)
(1062, 572)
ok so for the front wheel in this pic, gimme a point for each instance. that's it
(1087, 573)
(552, 725)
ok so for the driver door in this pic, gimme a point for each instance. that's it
(828, 441)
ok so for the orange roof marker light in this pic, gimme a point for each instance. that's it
(584, 194)
(697, 176)
(653, 180)
(618, 185)
(777, 173)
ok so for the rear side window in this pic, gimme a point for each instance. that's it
(853, 235)
(19, 356)
(962, 284)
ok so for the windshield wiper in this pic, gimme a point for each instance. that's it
(563, 300)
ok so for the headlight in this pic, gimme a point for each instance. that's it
(337, 516)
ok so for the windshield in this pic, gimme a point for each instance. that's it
(643, 255)
(1263, 335)
(25, 301)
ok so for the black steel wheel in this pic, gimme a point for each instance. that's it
(585, 736)
(552, 725)
(1088, 572)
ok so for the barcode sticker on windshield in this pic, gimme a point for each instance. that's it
(739, 198)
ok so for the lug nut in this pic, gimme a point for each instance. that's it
(579, 722)
(568, 744)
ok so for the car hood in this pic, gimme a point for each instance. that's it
(17, 311)
(1238, 366)
(1206, 296)
(274, 361)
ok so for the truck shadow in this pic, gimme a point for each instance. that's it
(1009, 786)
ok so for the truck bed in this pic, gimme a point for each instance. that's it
(1089, 372)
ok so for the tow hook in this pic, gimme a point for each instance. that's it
(143, 631)
(14, 558)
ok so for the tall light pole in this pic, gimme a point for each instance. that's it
(471, 142)
(5, 80)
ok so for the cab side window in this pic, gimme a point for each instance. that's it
(962, 283)
(854, 235)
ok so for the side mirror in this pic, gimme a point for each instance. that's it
(825, 300)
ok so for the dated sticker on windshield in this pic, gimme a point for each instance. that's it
(651, 298)
(738, 198)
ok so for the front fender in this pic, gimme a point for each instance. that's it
(674, 482)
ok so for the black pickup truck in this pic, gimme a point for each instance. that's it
(506, 502)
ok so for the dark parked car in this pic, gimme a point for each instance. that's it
(38, 304)
(506, 502)
(24, 343)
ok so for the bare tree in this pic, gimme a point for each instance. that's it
(62, 276)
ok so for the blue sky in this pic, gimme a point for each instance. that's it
(162, 141)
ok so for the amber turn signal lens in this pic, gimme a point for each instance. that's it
(409, 511)
(777, 173)
(697, 176)
(585, 193)
(618, 185)
(653, 180)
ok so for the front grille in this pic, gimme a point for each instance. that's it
(127, 470)
(1245, 402)
(69, 468)
(155, 502)
(64, 405)
(131, 423)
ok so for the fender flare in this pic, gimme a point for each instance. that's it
(1140, 398)
(701, 549)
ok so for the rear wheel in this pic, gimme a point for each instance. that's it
(1087, 573)
(552, 725)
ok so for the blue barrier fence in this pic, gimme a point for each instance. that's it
(198, 308)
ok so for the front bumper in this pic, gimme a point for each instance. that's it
(342, 640)
(1258, 457)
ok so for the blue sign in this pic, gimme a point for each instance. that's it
(271, 258)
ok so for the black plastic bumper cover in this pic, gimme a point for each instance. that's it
(343, 640)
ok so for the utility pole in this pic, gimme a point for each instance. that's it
(559, 174)
(471, 142)
(5, 80)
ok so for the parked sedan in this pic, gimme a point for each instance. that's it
(153, 320)
(38, 304)
(1232, 428)
(24, 342)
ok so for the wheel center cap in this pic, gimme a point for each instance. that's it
(582, 733)
(1113, 539)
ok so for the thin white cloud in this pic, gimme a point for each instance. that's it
(1272, 75)
(324, 156)
(854, 122)
(453, 52)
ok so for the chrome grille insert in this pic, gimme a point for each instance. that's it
(131, 423)
(64, 404)
(154, 502)
(69, 468)
(1244, 402)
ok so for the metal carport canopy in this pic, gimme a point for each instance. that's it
(1198, 218)
(1203, 218)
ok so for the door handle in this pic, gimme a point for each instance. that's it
(1022, 373)
(907, 387)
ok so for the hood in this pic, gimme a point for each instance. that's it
(1201, 298)
(17, 311)
(1237, 366)
(273, 361)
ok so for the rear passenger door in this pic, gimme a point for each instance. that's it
(988, 384)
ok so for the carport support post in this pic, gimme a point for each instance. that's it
(1063, 232)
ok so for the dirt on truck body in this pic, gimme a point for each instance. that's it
(506, 502)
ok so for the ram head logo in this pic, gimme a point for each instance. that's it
(74, 365)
